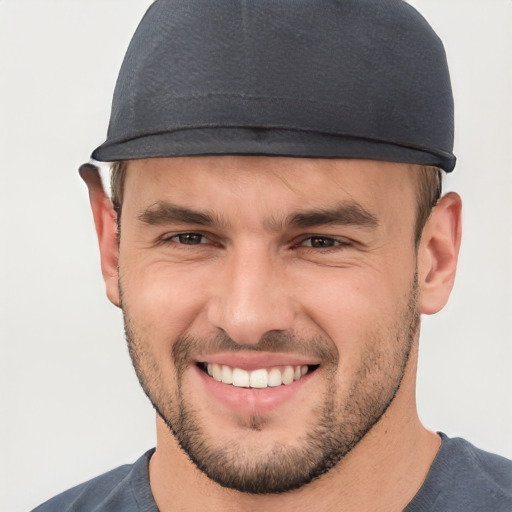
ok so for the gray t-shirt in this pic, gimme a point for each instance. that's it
(462, 478)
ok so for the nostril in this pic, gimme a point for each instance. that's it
(246, 314)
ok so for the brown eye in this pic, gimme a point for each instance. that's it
(320, 242)
(189, 238)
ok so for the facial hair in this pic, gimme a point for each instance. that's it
(334, 428)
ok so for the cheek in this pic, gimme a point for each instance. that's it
(348, 297)
(162, 302)
(353, 305)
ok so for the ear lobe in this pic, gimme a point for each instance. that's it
(438, 253)
(105, 221)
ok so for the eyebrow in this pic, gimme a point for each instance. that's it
(348, 213)
(164, 212)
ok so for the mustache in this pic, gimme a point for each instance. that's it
(188, 347)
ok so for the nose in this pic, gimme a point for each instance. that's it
(251, 297)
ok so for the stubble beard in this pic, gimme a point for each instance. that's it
(334, 429)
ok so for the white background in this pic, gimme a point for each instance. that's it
(70, 405)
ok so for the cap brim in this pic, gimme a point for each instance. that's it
(268, 142)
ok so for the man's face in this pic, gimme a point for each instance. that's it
(292, 280)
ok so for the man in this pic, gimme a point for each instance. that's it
(275, 232)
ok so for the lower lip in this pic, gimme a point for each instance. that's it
(250, 400)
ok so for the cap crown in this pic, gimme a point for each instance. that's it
(320, 78)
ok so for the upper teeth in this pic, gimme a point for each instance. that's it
(260, 378)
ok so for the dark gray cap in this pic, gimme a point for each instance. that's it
(302, 78)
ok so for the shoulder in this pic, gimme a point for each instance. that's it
(463, 477)
(125, 489)
(496, 470)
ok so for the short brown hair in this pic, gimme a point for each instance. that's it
(117, 177)
(428, 192)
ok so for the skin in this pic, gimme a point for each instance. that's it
(354, 289)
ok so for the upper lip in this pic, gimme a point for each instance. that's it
(254, 361)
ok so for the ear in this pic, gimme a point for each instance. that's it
(438, 253)
(105, 220)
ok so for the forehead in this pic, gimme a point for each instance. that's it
(271, 183)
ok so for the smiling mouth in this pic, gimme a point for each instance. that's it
(259, 379)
